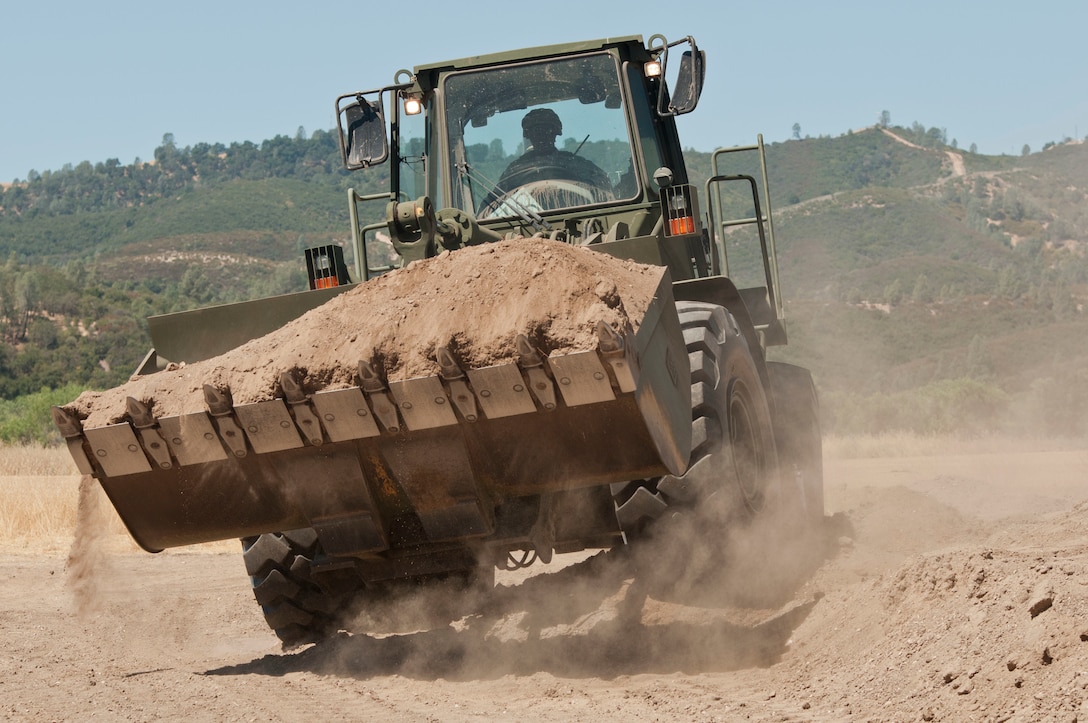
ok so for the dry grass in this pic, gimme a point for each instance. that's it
(39, 499)
(37, 512)
(21, 461)
(39, 492)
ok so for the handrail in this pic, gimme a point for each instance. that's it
(763, 219)
(758, 220)
(358, 233)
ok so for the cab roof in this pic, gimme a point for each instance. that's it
(511, 56)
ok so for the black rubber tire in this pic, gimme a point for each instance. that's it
(300, 606)
(734, 461)
(799, 440)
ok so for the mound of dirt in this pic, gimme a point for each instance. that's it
(474, 301)
(973, 631)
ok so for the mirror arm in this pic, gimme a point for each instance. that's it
(666, 108)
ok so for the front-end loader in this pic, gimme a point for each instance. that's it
(338, 490)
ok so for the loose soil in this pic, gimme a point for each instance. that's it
(950, 588)
(474, 302)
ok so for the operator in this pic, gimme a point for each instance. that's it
(543, 161)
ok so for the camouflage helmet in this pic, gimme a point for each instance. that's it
(540, 121)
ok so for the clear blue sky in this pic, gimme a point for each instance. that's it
(99, 80)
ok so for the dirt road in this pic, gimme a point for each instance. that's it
(955, 588)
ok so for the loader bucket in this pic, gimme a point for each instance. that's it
(377, 465)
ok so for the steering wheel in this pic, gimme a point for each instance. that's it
(560, 167)
(541, 196)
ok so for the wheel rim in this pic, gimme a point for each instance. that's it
(746, 443)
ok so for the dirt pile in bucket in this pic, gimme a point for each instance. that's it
(474, 301)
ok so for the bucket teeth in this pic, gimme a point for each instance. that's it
(369, 379)
(613, 350)
(220, 406)
(609, 340)
(527, 355)
(532, 364)
(299, 404)
(292, 390)
(150, 439)
(140, 413)
(533, 381)
(68, 424)
(459, 392)
(375, 389)
(219, 402)
(447, 365)
(71, 429)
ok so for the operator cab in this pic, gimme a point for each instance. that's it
(561, 141)
(538, 137)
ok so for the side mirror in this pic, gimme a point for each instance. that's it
(363, 140)
(689, 81)
(682, 95)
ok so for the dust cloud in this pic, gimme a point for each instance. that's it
(691, 596)
(88, 559)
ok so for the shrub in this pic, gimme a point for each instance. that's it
(28, 419)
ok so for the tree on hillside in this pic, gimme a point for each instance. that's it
(922, 293)
(979, 364)
(893, 292)
(1009, 285)
(885, 119)
(1026, 150)
(797, 131)
(1011, 205)
(26, 302)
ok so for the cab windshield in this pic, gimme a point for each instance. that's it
(538, 137)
